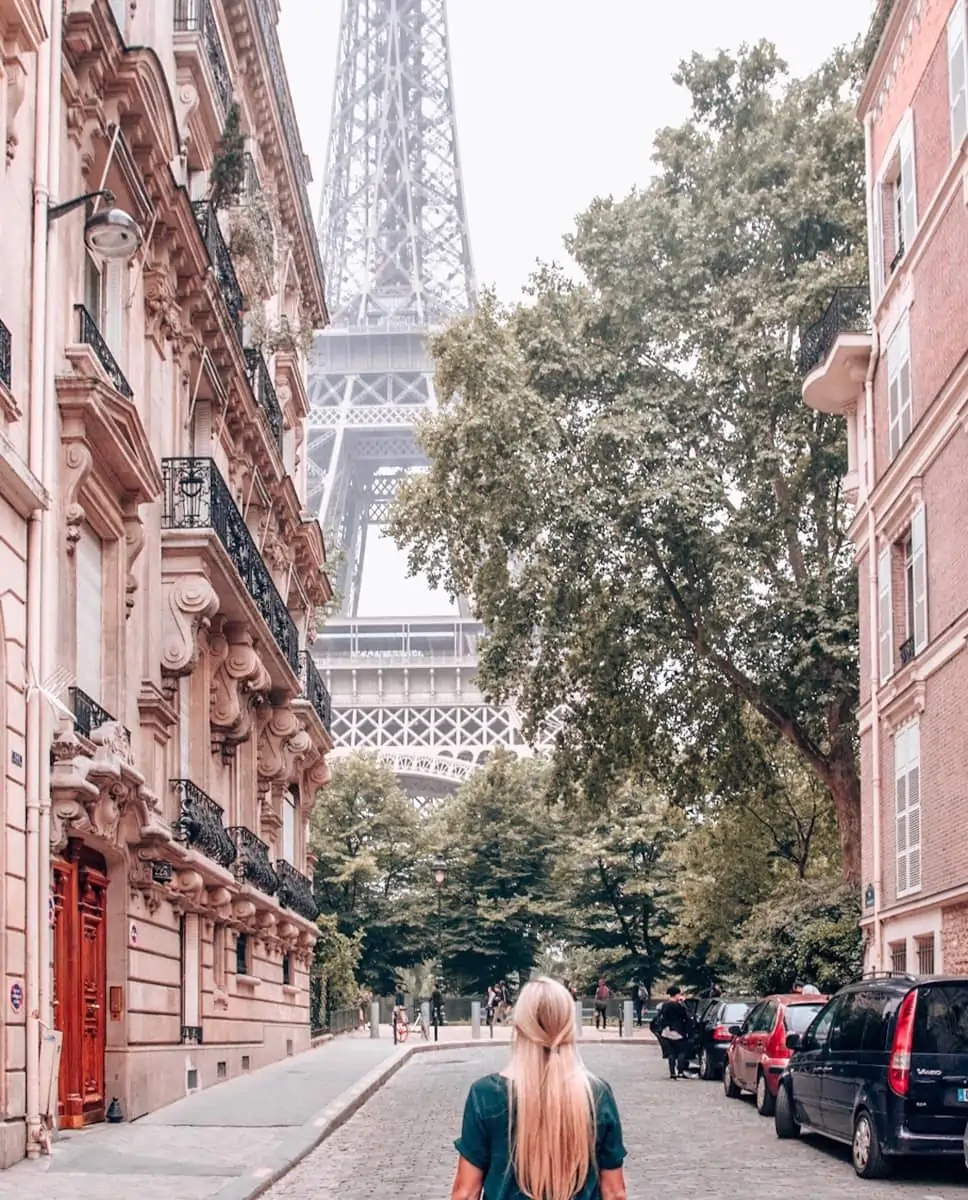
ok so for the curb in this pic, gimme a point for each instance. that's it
(304, 1139)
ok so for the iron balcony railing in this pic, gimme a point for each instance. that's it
(197, 497)
(201, 825)
(848, 312)
(252, 863)
(218, 252)
(265, 393)
(277, 70)
(196, 16)
(88, 714)
(907, 651)
(296, 891)
(6, 356)
(315, 691)
(191, 1035)
(90, 335)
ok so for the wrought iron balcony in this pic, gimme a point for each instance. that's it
(6, 357)
(218, 252)
(252, 863)
(277, 70)
(90, 335)
(315, 691)
(196, 16)
(265, 393)
(191, 1035)
(200, 823)
(88, 714)
(907, 651)
(848, 312)
(296, 891)
(197, 497)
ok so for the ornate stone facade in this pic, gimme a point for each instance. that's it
(176, 751)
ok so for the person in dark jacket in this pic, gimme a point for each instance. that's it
(673, 1027)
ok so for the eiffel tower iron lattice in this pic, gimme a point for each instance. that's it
(398, 265)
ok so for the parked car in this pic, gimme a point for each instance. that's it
(884, 1069)
(713, 1031)
(758, 1054)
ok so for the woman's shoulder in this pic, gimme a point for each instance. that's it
(602, 1091)
(489, 1094)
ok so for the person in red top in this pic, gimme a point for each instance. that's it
(601, 1004)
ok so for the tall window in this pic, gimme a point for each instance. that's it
(242, 962)
(957, 76)
(906, 191)
(103, 300)
(899, 958)
(907, 805)
(88, 558)
(289, 828)
(899, 386)
(925, 948)
(885, 616)
(916, 585)
(218, 954)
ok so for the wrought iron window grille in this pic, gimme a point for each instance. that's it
(315, 691)
(197, 497)
(91, 336)
(296, 891)
(6, 356)
(200, 824)
(252, 863)
(196, 16)
(88, 714)
(218, 252)
(265, 393)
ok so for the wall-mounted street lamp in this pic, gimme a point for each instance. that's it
(110, 233)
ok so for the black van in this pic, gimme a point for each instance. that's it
(883, 1067)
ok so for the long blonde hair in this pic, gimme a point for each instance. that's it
(552, 1110)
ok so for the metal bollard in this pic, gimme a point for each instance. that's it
(425, 1013)
(475, 1019)
(375, 1019)
(578, 1032)
(627, 1011)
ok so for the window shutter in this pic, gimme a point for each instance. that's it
(885, 615)
(909, 204)
(957, 76)
(114, 309)
(877, 242)
(914, 821)
(88, 618)
(899, 386)
(919, 600)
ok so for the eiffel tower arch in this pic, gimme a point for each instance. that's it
(397, 256)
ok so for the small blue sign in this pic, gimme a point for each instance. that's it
(16, 997)
(16, 758)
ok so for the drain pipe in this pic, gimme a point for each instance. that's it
(34, 965)
(872, 632)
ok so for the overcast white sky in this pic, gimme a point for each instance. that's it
(557, 102)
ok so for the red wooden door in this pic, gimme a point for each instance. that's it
(80, 967)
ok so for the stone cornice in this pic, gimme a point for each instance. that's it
(22, 25)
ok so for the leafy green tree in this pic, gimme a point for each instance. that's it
(616, 882)
(499, 839)
(624, 476)
(809, 933)
(228, 167)
(369, 846)
(333, 978)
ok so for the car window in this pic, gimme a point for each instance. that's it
(798, 1016)
(816, 1035)
(765, 1018)
(847, 1031)
(732, 1014)
(751, 1017)
(941, 1020)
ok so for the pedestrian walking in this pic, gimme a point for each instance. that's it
(437, 1003)
(637, 995)
(545, 1127)
(601, 1004)
(673, 1027)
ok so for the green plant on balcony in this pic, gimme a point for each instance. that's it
(284, 335)
(876, 32)
(252, 241)
(228, 169)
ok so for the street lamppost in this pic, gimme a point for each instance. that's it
(440, 874)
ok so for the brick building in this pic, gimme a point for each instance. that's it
(900, 380)
(163, 730)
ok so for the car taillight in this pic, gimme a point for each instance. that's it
(899, 1068)
(776, 1045)
(721, 1034)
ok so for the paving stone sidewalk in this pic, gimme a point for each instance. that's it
(218, 1143)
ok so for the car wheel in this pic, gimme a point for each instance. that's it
(784, 1120)
(870, 1161)
(729, 1087)
(765, 1100)
(706, 1068)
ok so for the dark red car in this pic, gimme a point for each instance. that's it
(758, 1053)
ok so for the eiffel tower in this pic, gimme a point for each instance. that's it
(396, 251)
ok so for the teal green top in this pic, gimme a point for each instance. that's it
(484, 1138)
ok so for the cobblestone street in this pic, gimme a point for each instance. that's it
(684, 1139)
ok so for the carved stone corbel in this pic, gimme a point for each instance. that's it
(240, 681)
(78, 461)
(134, 543)
(284, 744)
(190, 604)
(189, 889)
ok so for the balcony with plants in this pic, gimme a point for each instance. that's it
(835, 351)
(202, 63)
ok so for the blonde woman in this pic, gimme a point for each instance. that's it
(544, 1129)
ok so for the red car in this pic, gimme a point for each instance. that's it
(758, 1052)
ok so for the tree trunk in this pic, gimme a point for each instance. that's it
(843, 783)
